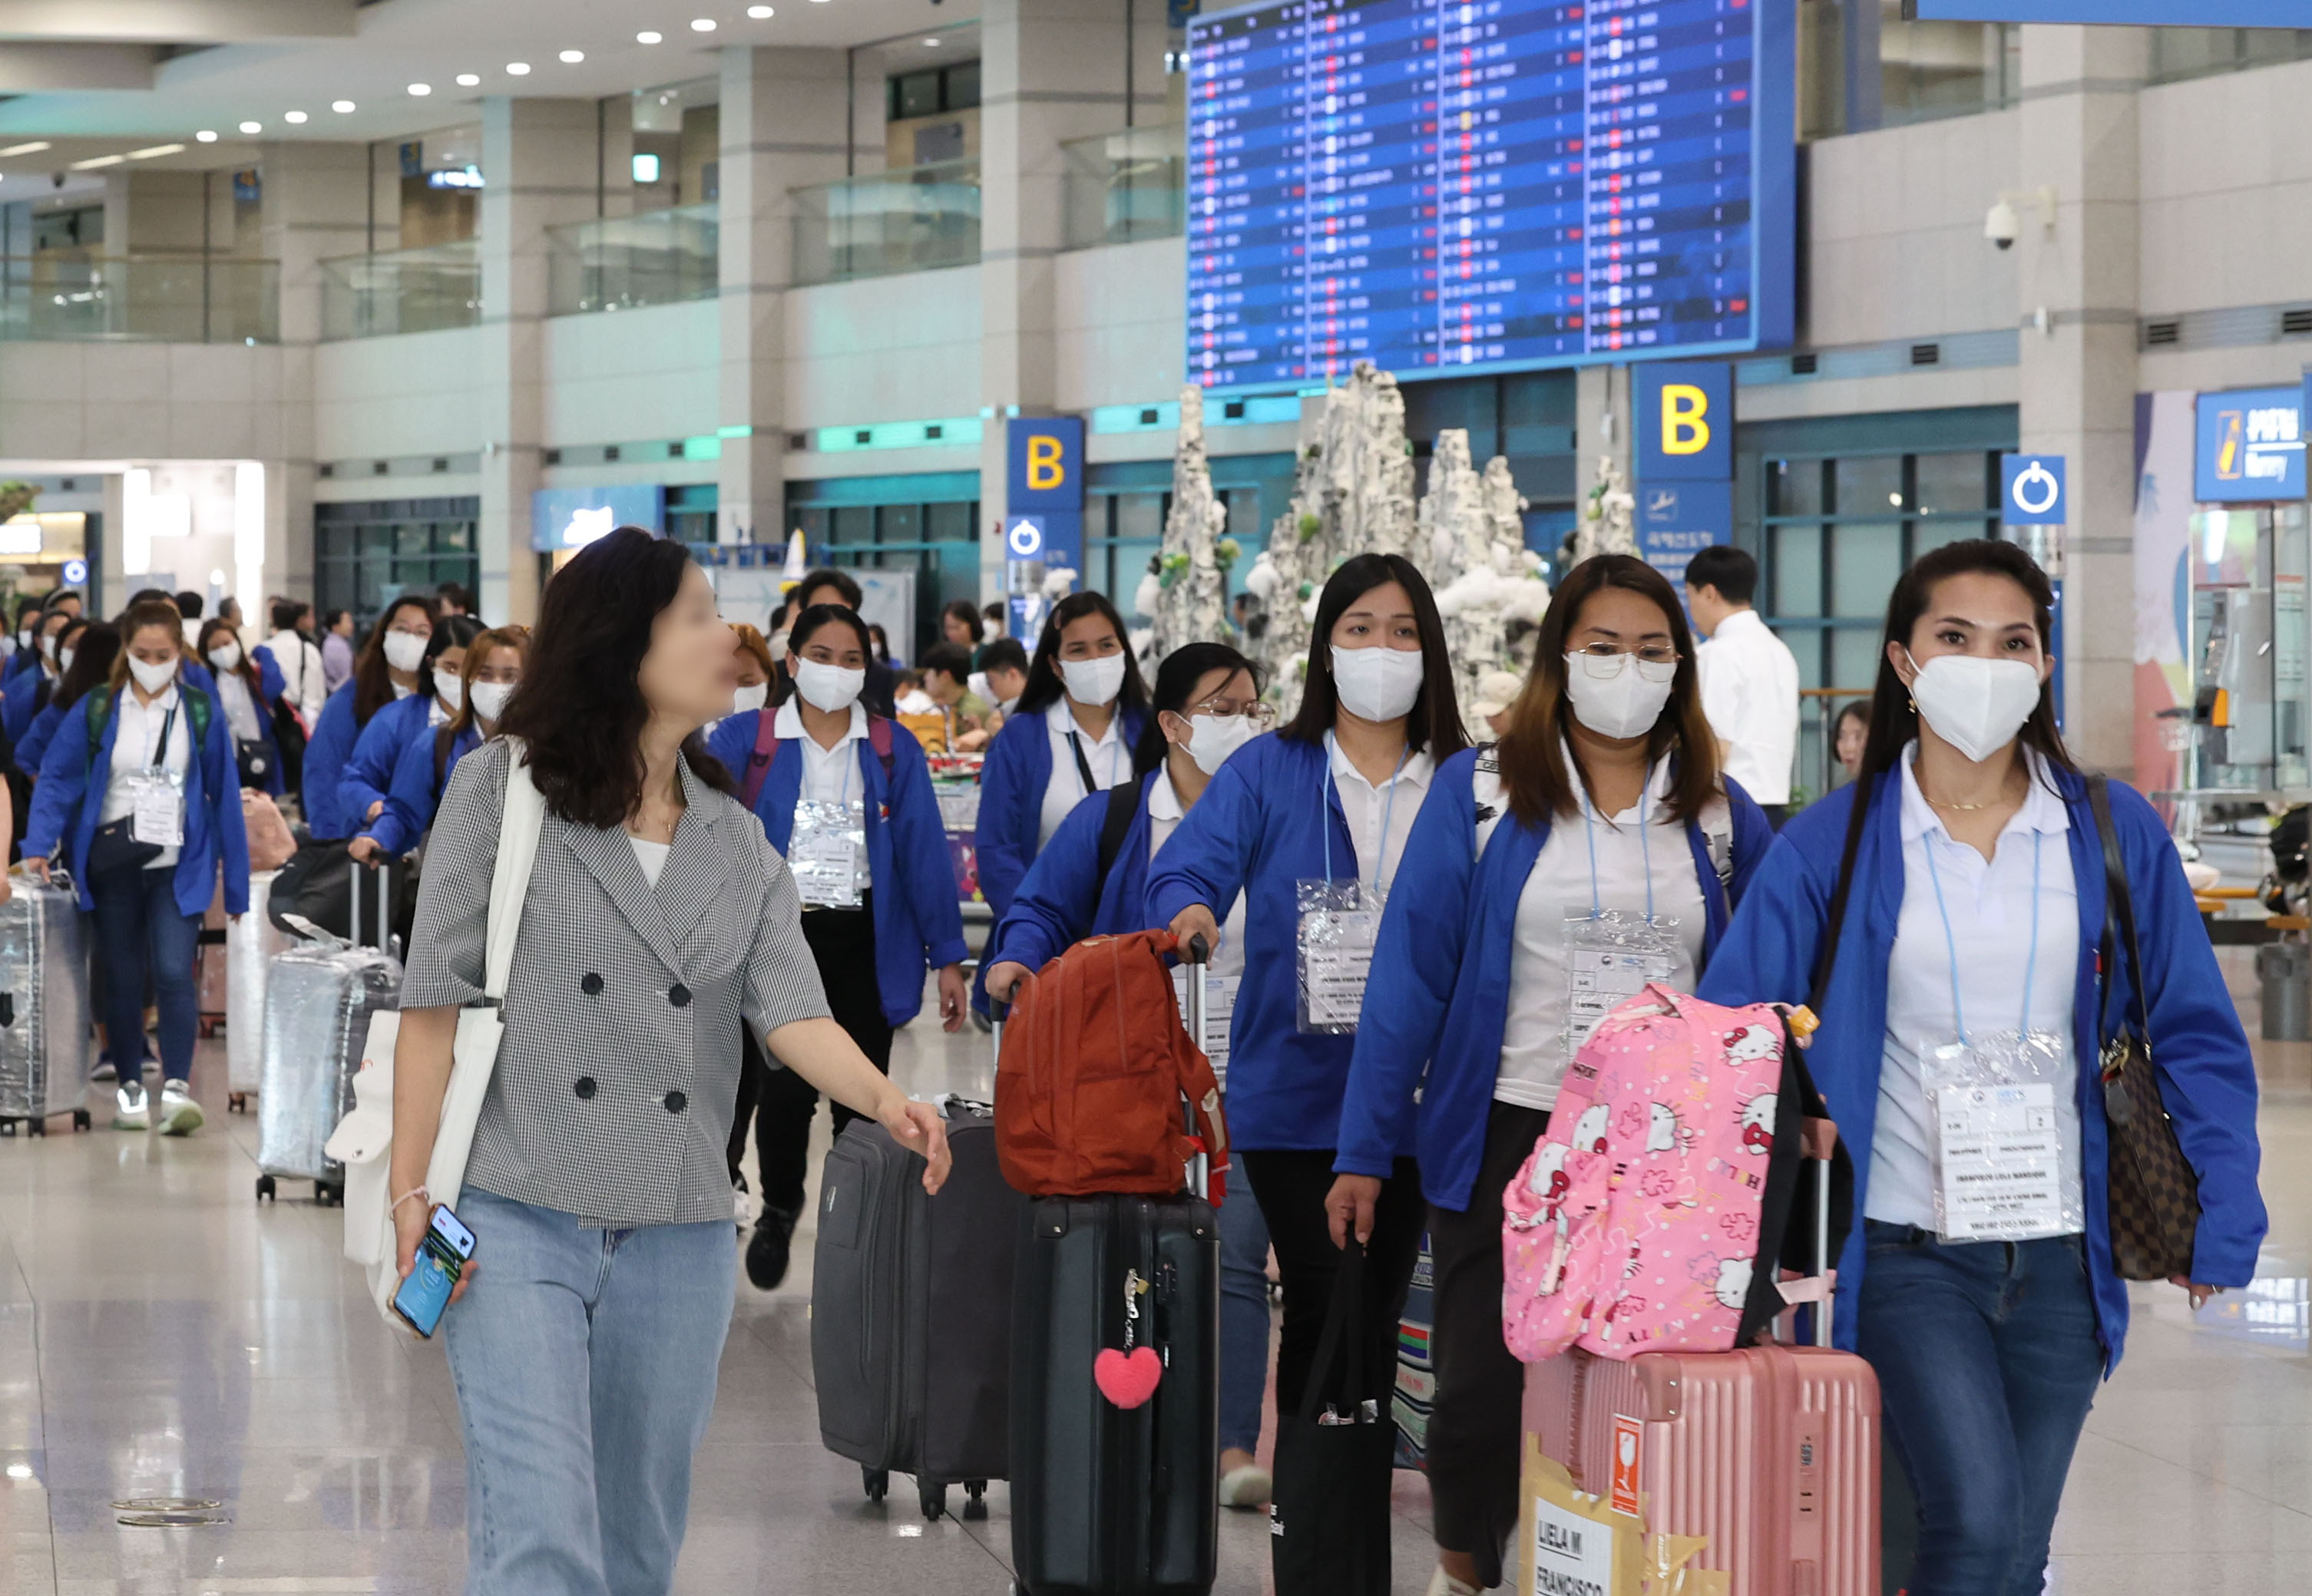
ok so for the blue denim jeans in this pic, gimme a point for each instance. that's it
(1987, 1359)
(585, 1361)
(137, 920)
(1244, 1314)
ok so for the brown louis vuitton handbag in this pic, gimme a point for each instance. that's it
(2154, 1193)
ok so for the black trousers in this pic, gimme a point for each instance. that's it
(1474, 1423)
(781, 1101)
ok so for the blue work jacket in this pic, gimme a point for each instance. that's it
(918, 917)
(415, 794)
(1064, 899)
(368, 773)
(327, 750)
(1012, 783)
(70, 794)
(1438, 994)
(23, 700)
(2206, 1076)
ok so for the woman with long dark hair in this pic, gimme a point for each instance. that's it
(846, 796)
(490, 672)
(1947, 915)
(1311, 826)
(1091, 880)
(385, 673)
(243, 689)
(1600, 818)
(658, 922)
(1073, 735)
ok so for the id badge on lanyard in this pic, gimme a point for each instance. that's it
(1336, 924)
(827, 845)
(158, 816)
(1612, 954)
(2002, 1168)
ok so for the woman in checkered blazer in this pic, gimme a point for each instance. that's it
(659, 921)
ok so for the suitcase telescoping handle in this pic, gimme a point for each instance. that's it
(1199, 965)
(1820, 1142)
(384, 902)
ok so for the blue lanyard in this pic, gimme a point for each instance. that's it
(1645, 847)
(1951, 943)
(1388, 813)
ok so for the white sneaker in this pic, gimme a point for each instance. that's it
(1442, 1583)
(1246, 1487)
(129, 1113)
(180, 1115)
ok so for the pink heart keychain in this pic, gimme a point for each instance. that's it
(1128, 1379)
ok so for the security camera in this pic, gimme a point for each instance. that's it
(56, 180)
(2001, 225)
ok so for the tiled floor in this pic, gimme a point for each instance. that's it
(163, 1335)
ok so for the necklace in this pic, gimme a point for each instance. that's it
(1934, 802)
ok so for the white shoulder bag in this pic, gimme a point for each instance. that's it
(364, 1139)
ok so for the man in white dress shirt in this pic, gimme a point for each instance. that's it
(1749, 679)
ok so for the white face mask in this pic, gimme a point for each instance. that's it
(750, 698)
(450, 687)
(779, 643)
(64, 659)
(1094, 682)
(1379, 683)
(405, 650)
(1976, 705)
(152, 678)
(827, 688)
(490, 699)
(226, 656)
(49, 645)
(1212, 738)
(1625, 704)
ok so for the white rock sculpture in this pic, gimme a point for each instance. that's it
(1185, 596)
(1608, 521)
(1472, 525)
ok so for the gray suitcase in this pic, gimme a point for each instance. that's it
(319, 999)
(44, 1008)
(252, 943)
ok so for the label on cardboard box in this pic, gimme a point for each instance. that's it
(1573, 1555)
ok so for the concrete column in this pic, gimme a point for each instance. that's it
(614, 170)
(539, 164)
(2077, 376)
(1601, 426)
(781, 128)
(1050, 70)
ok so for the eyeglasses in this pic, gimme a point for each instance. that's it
(1604, 660)
(1262, 715)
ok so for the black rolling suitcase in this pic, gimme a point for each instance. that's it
(911, 1310)
(1109, 1499)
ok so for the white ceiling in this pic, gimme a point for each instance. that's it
(298, 56)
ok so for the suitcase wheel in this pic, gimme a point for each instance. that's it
(264, 1187)
(326, 1195)
(236, 1103)
(7, 1127)
(211, 1025)
(932, 1499)
(36, 1127)
(875, 1482)
(81, 1120)
(975, 1498)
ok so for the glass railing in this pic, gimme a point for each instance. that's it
(401, 290)
(1862, 66)
(618, 263)
(2179, 53)
(1122, 187)
(141, 299)
(910, 219)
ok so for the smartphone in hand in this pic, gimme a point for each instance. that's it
(441, 1255)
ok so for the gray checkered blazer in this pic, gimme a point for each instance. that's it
(619, 1069)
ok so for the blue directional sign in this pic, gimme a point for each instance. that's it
(75, 573)
(2133, 13)
(2031, 491)
(2249, 446)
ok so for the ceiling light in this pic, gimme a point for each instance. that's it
(252, 127)
(930, 44)
(34, 148)
(206, 135)
(650, 38)
(341, 106)
(157, 149)
(572, 57)
(469, 80)
(701, 24)
(96, 160)
(518, 68)
(761, 14)
(421, 90)
(297, 118)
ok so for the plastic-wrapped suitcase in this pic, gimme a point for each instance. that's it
(319, 999)
(1771, 1453)
(43, 1007)
(911, 1310)
(252, 943)
(1106, 1498)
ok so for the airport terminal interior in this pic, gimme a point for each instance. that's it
(983, 301)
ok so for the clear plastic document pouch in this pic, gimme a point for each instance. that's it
(827, 852)
(1333, 950)
(1997, 1117)
(159, 815)
(1610, 956)
(1220, 1013)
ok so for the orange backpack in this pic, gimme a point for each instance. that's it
(1094, 1066)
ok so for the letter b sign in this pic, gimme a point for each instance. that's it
(1045, 458)
(1685, 420)
(1046, 472)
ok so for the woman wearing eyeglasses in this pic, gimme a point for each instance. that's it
(1089, 881)
(1600, 818)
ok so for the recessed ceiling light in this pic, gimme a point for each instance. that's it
(518, 69)
(206, 135)
(252, 127)
(341, 106)
(96, 160)
(156, 150)
(930, 44)
(469, 80)
(572, 57)
(297, 116)
(761, 14)
(34, 148)
(421, 90)
(701, 24)
(647, 38)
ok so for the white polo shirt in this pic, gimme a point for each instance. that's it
(1750, 693)
(1108, 755)
(1379, 817)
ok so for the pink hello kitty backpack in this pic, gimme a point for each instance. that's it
(1653, 1216)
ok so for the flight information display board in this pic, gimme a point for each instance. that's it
(1435, 184)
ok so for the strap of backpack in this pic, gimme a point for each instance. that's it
(99, 710)
(879, 738)
(197, 710)
(1827, 959)
(1116, 823)
(758, 762)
